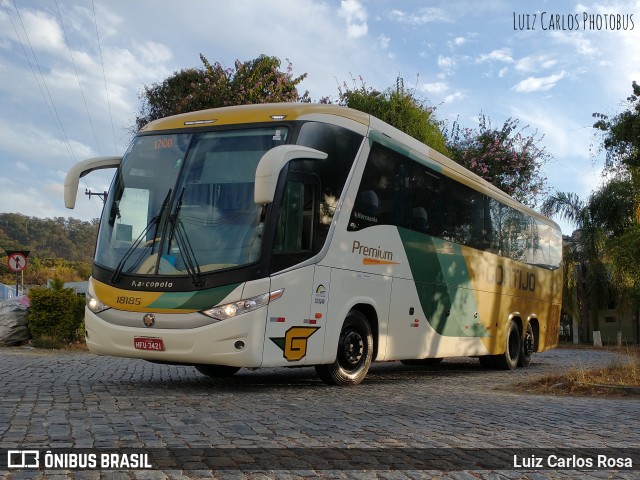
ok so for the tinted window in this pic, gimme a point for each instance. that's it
(396, 190)
(384, 195)
(341, 146)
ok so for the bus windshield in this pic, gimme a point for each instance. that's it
(182, 204)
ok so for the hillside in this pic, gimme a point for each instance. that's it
(54, 243)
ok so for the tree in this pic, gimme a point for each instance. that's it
(589, 277)
(620, 136)
(397, 107)
(505, 157)
(621, 133)
(255, 81)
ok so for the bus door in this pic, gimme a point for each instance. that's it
(294, 336)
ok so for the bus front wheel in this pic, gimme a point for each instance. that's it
(354, 355)
(216, 371)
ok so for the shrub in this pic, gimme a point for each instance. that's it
(56, 314)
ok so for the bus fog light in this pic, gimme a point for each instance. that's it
(239, 345)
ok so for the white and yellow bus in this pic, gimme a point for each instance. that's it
(312, 235)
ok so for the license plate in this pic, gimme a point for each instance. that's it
(148, 343)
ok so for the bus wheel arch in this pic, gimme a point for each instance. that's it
(355, 352)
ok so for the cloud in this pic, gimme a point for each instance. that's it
(23, 167)
(499, 55)
(421, 17)
(384, 41)
(533, 63)
(538, 84)
(356, 16)
(438, 87)
(446, 63)
(580, 44)
(44, 33)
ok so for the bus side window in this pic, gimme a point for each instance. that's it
(428, 204)
(383, 195)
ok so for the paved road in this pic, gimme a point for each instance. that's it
(453, 411)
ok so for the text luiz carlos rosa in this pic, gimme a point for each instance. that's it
(573, 461)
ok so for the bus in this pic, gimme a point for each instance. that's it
(301, 234)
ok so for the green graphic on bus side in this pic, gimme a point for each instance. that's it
(200, 300)
(443, 284)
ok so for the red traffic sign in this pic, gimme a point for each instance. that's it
(17, 261)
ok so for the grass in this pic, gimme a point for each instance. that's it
(621, 377)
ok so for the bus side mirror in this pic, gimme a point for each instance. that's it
(272, 162)
(79, 170)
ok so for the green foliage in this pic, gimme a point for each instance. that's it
(60, 246)
(606, 250)
(255, 81)
(505, 157)
(56, 314)
(621, 133)
(399, 108)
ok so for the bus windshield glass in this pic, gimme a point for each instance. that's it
(182, 204)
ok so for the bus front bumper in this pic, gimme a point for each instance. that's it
(235, 342)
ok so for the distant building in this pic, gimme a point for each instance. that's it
(7, 292)
(79, 287)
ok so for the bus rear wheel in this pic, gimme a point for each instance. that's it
(354, 355)
(216, 371)
(528, 347)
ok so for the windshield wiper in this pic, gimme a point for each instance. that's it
(186, 250)
(154, 221)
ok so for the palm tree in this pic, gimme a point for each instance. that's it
(589, 277)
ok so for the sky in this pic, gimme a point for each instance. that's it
(71, 72)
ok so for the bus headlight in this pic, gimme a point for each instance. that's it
(95, 305)
(230, 310)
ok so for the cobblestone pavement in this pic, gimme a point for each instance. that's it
(57, 400)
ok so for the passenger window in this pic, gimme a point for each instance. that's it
(468, 216)
(429, 201)
(384, 196)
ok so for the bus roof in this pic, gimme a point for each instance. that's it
(264, 112)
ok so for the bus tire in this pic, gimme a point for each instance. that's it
(421, 361)
(528, 347)
(355, 353)
(512, 349)
(216, 371)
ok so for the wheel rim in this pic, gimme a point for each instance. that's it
(352, 350)
(528, 343)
